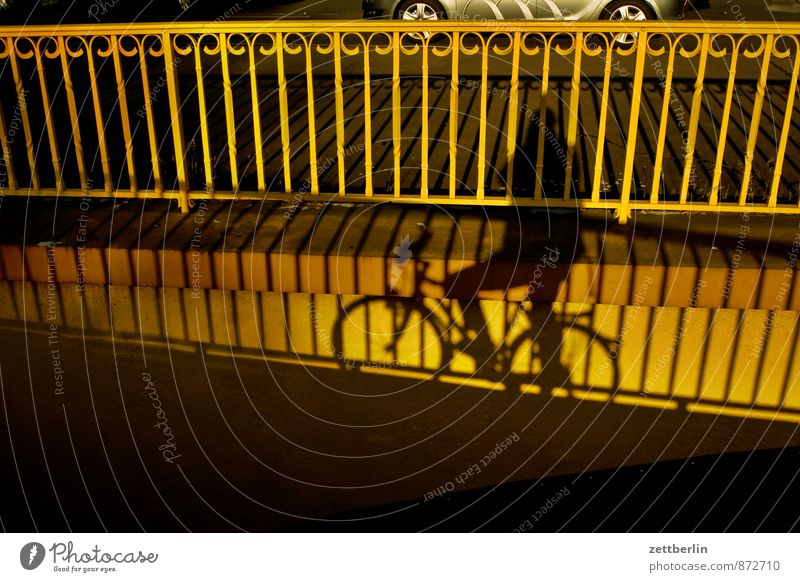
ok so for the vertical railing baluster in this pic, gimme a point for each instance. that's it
(454, 94)
(312, 121)
(122, 103)
(176, 121)
(713, 196)
(55, 154)
(542, 121)
(368, 187)
(513, 116)
(8, 158)
(662, 128)
(73, 114)
(283, 102)
(205, 141)
(630, 150)
(257, 135)
(574, 104)
(337, 62)
(99, 120)
(230, 116)
(787, 124)
(8, 162)
(425, 121)
(151, 127)
(601, 130)
(694, 120)
(481, 191)
(396, 111)
(756, 119)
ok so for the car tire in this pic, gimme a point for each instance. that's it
(627, 10)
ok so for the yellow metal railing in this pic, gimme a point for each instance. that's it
(690, 116)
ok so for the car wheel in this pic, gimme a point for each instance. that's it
(627, 10)
(415, 11)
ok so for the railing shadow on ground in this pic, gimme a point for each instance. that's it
(506, 308)
(720, 361)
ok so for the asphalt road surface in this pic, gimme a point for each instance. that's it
(739, 10)
(752, 10)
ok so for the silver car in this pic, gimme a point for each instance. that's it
(478, 10)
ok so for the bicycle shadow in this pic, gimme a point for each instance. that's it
(445, 329)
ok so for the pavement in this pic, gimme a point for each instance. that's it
(278, 373)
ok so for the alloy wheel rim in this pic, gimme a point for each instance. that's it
(627, 12)
(420, 11)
